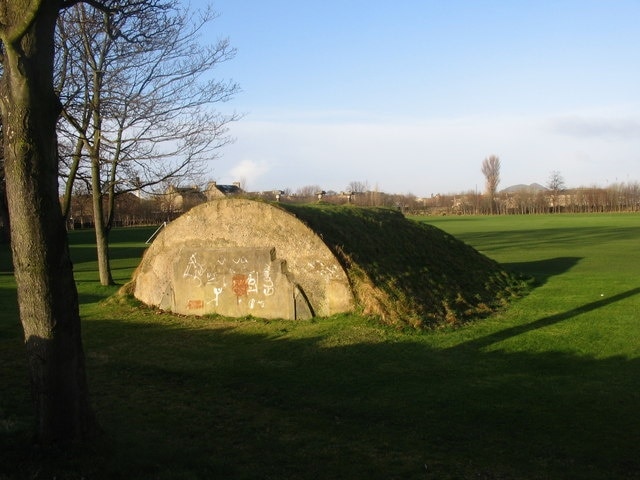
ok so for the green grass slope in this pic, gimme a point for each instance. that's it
(406, 272)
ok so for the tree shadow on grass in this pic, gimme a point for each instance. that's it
(501, 335)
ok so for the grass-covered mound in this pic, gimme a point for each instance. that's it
(406, 272)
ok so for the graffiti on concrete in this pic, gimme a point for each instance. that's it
(233, 281)
(195, 304)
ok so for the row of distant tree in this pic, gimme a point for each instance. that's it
(622, 197)
(554, 197)
(155, 209)
(129, 208)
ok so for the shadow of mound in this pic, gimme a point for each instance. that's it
(543, 270)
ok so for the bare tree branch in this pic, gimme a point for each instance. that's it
(138, 94)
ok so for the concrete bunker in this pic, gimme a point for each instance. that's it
(238, 257)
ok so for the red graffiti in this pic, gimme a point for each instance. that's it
(195, 304)
(239, 284)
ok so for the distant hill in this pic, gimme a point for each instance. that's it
(534, 187)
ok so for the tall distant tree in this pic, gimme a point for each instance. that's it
(136, 103)
(358, 187)
(491, 172)
(556, 185)
(308, 191)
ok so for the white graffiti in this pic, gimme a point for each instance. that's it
(211, 278)
(253, 302)
(252, 282)
(322, 269)
(216, 291)
(194, 269)
(267, 283)
(215, 274)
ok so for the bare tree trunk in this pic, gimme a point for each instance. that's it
(102, 233)
(47, 296)
(491, 171)
(68, 188)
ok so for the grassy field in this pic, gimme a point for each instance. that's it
(547, 388)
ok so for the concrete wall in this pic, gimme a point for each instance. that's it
(240, 257)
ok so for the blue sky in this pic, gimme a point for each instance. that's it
(411, 96)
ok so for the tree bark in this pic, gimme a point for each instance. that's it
(47, 296)
(4, 210)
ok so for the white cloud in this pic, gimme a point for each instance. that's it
(248, 172)
(590, 127)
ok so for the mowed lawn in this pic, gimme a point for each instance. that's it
(548, 388)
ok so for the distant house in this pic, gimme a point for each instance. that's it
(215, 190)
(181, 199)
